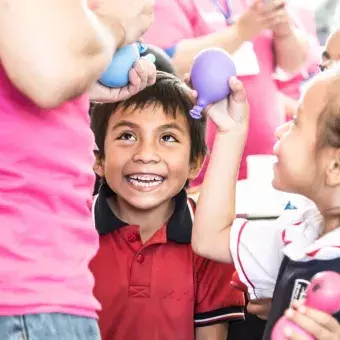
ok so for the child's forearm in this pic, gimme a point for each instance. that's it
(213, 332)
(215, 210)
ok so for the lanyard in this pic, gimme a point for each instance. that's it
(226, 12)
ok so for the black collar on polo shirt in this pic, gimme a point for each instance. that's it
(178, 228)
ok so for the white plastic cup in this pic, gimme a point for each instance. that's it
(260, 168)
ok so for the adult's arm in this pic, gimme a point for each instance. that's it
(53, 50)
(291, 50)
(290, 34)
(229, 39)
(253, 21)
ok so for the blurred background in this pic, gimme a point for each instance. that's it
(327, 15)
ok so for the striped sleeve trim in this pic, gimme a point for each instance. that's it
(227, 314)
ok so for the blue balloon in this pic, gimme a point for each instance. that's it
(117, 73)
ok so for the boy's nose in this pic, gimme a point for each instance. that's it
(146, 153)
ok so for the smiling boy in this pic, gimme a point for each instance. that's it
(150, 283)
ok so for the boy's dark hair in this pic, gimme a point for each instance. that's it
(163, 61)
(169, 93)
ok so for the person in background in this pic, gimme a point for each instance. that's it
(46, 237)
(331, 54)
(290, 85)
(147, 278)
(262, 34)
(327, 13)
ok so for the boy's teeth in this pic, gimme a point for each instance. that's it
(146, 177)
(145, 180)
(138, 183)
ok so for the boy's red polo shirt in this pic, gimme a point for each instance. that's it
(160, 290)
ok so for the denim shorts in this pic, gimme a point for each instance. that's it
(52, 326)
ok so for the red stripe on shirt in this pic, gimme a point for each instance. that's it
(238, 254)
(314, 252)
(284, 238)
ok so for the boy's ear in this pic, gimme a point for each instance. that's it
(333, 171)
(98, 165)
(195, 167)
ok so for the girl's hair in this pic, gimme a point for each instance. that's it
(329, 119)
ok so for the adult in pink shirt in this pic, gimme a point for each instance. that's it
(185, 27)
(290, 86)
(51, 52)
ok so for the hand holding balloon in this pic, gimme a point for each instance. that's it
(210, 74)
(229, 114)
(322, 300)
(141, 75)
(117, 73)
(318, 325)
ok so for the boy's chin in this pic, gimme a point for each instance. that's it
(146, 203)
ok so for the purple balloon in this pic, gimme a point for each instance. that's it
(210, 75)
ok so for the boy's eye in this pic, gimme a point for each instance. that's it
(127, 136)
(169, 138)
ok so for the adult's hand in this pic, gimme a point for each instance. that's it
(141, 75)
(261, 16)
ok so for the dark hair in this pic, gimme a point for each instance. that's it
(169, 93)
(329, 118)
(163, 61)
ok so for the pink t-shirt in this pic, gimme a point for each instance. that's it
(46, 180)
(182, 19)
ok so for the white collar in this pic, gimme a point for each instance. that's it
(302, 238)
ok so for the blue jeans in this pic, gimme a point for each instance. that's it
(52, 326)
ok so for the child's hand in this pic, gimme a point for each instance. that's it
(141, 75)
(260, 308)
(232, 113)
(319, 324)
